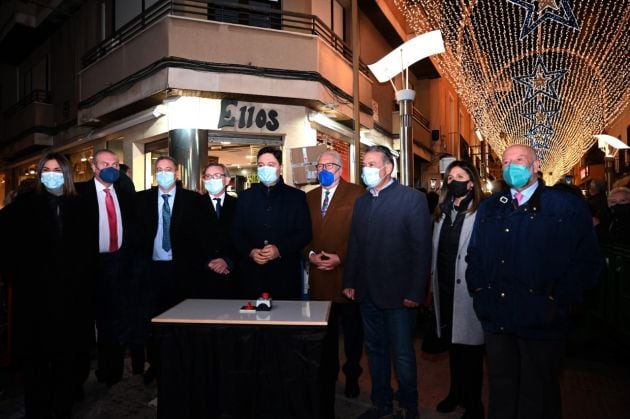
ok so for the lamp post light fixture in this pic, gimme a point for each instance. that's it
(397, 62)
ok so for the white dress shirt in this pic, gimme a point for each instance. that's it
(158, 252)
(103, 221)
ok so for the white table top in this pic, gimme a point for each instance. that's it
(283, 313)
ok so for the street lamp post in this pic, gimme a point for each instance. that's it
(388, 67)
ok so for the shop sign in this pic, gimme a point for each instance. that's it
(246, 116)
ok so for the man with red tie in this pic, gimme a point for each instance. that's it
(111, 235)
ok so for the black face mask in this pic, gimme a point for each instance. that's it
(620, 210)
(458, 189)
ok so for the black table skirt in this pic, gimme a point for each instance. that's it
(240, 372)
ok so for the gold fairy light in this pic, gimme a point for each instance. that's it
(550, 74)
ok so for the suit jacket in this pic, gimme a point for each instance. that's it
(87, 192)
(218, 244)
(330, 234)
(186, 229)
(116, 280)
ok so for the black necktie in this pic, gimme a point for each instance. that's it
(217, 207)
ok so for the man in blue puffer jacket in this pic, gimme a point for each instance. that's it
(532, 254)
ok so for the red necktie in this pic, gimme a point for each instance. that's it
(113, 222)
(519, 197)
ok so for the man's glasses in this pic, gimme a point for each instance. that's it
(327, 166)
(214, 176)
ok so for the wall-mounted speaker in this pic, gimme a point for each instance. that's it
(435, 134)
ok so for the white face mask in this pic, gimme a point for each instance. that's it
(52, 180)
(267, 174)
(165, 179)
(213, 186)
(370, 176)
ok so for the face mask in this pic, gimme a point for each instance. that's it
(326, 178)
(620, 210)
(267, 174)
(370, 176)
(516, 175)
(109, 174)
(52, 180)
(165, 179)
(213, 186)
(457, 189)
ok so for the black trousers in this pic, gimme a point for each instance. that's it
(163, 292)
(466, 368)
(524, 377)
(348, 316)
(49, 385)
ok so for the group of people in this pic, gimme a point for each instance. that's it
(502, 271)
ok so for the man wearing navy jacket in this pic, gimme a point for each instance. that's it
(533, 252)
(387, 268)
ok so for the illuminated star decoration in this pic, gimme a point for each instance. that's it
(541, 117)
(541, 81)
(539, 136)
(546, 10)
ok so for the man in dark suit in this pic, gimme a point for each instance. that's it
(331, 207)
(170, 243)
(219, 278)
(111, 235)
(271, 228)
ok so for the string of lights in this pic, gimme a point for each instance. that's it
(547, 73)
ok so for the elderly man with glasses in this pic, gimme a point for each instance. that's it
(330, 207)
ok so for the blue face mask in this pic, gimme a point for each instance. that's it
(214, 186)
(109, 174)
(267, 174)
(165, 179)
(516, 175)
(370, 176)
(326, 178)
(52, 180)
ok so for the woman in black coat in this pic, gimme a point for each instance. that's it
(44, 255)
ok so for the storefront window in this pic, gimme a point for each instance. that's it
(81, 162)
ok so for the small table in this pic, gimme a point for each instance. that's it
(217, 362)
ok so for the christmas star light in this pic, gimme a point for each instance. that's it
(580, 71)
(541, 81)
(547, 10)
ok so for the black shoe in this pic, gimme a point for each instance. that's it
(149, 376)
(447, 405)
(352, 389)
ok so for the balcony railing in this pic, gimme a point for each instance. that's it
(230, 13)
(36, 96)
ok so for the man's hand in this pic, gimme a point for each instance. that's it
(325, 261)
(270, 251)
(219, 266)
(257, 257)
(349, 293)
(410, 303)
